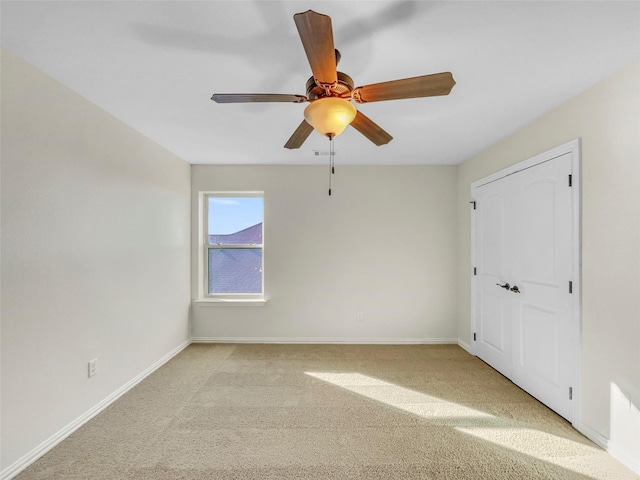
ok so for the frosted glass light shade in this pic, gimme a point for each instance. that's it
(330, 115)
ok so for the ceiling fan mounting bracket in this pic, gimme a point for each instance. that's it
(357, 96)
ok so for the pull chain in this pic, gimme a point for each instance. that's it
(332, 169)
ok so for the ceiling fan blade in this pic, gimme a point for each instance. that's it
(317, 39)
(256, 97)
(424, 86)
(299, 136)
(370, 129)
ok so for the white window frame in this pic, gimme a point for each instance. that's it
(204, 297)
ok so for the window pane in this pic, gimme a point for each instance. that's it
(235, 270)
(230, 215)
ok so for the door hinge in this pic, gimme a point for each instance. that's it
(475, 271)
(474, 336)
(474, 204)
(570, 393)
(570, 180)
(570, 287)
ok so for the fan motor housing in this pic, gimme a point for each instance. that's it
(343, 88)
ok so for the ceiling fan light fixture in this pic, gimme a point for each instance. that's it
(330, 115)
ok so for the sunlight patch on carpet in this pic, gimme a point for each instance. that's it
(400, 397)
(543, 446)
(505, 433)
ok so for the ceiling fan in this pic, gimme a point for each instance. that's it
(329, 92)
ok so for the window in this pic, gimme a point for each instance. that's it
(232, 246)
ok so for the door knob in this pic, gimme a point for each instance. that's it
(515, 289)
(506, 286)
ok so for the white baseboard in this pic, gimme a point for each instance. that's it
(626, 458)
(327, 340)
(465, 346)
(22, 463)
(592, 435)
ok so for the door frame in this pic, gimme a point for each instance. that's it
(574, 148)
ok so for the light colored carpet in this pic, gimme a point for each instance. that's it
(326, 412)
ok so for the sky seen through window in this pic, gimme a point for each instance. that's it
(232, 214)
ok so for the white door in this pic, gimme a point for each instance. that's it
(524, 238)
(493, 268)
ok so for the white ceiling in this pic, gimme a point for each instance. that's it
(155, 64)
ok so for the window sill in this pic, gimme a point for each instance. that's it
(231, 302)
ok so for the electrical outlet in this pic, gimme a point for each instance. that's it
(93, 367)
(359, 316)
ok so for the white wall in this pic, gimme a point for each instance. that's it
(95, 256)
(607, 119)
(384, 244)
